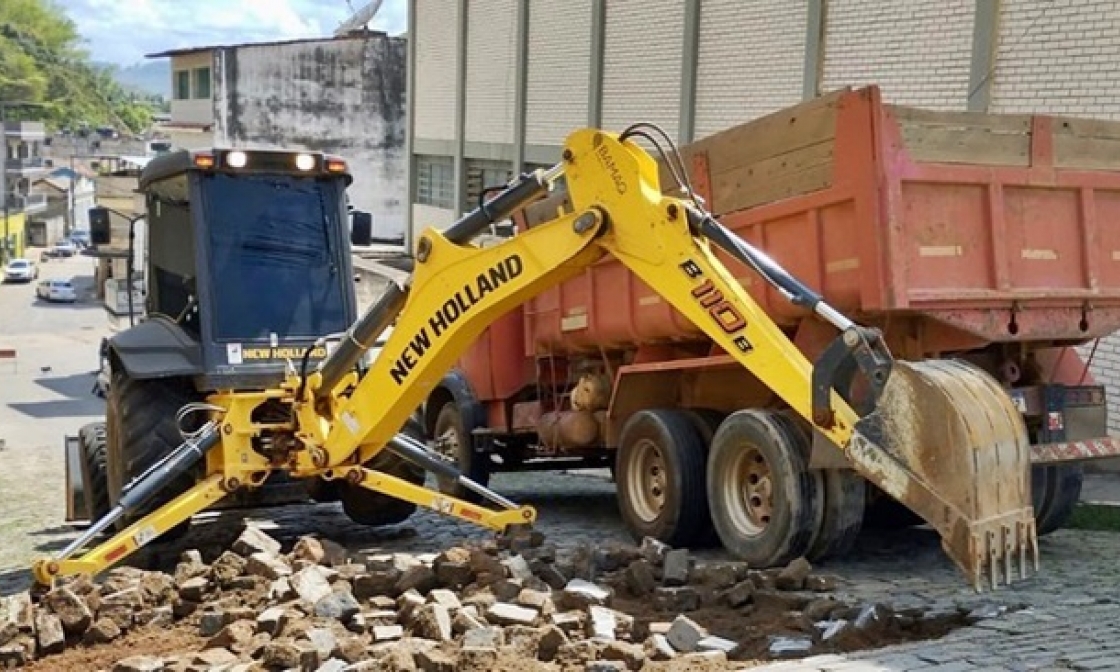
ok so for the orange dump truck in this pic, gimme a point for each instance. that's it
(990, 238)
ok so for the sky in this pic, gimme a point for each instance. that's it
(123, 32)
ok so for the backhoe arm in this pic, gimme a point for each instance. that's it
(936, 434)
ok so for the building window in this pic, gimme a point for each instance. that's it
(484, 175)
(202, 83)
(182, 84)
(435, 181)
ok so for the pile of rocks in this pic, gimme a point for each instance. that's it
(483, 607)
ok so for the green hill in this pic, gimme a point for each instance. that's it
(41, 63)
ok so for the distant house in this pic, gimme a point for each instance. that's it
(69, 196)
(342, 95)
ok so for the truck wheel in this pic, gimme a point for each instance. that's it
(1063, 490)
(375, 509)
(141, 430)
(454, 441)
(845, 495)
(765, 502)
(706, 421)
(92, 444)
(660, 466)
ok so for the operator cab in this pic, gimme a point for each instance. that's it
(248, 263)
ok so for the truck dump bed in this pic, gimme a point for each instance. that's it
(966, 228)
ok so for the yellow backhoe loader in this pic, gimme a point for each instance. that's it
(941, 437)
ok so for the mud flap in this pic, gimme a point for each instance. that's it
(947, 442)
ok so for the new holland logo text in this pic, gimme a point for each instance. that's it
(722, 311)
(451, 311)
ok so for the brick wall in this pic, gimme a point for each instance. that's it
(1060, 58)
(559, 70)
(434, 102)
(919, 52)
(491, 76)
(750, 61)
(642, 63)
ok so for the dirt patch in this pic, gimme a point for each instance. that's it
(153, 641)
(755, 627)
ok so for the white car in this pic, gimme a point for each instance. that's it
(56, 290)
(63, 248)
(20, 270)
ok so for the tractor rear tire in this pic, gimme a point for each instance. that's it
(452, 429)
(765, 502)
(660, 467)
(375, 509)
(141, 431)
(1063, 491)
(93, 447)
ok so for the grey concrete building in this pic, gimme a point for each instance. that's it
(343, 95)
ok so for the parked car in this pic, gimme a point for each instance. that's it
(63, 248)
(20, 270)
(80, 238)
(56, 290)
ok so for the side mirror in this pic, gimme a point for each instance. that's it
(100, 228)
(361, 228)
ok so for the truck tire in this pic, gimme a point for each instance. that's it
(765, 502)
(92, 444)
(660, 467)
(706, 421)
(845, 496)
(140, 417)
(1063, 491)
(456, 442)
(375, 509)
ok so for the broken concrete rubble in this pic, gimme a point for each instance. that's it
(318, 607)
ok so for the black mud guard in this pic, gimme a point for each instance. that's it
(157, 348)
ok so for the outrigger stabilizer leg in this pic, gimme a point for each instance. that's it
(134, 496)
(512, 519)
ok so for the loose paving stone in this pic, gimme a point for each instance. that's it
(511, 614)
(677, 567)
(337, 605)
(685, 634)
(139, 664)
(794, 575)
(253, 540)
(48, 630)
(71, 610)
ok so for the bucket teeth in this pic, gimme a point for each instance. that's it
(1005, 551)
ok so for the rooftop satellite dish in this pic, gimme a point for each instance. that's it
(360, 18)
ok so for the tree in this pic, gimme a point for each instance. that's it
(41, 61)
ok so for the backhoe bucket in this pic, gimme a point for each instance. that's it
(946, 441)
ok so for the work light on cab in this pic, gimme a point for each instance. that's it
(305, 161)
(237, 159)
